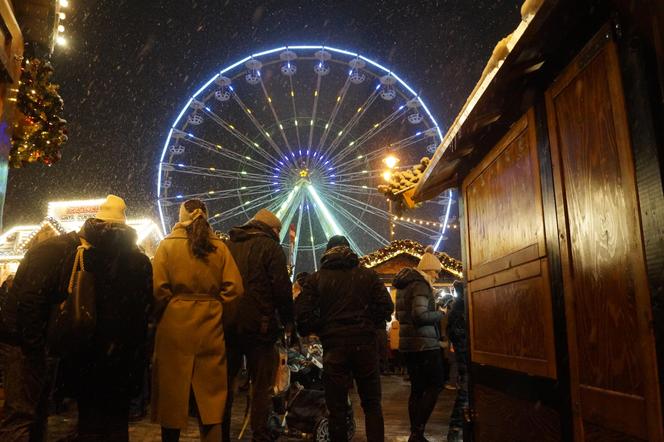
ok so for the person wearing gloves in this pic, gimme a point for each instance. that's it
(194, 277)
(418, 339)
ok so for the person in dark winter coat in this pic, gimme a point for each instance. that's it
(40, 284)
(418, 339)
(456, 330)
(344, 303)
(108, 372)
(105, 371)
(253, 323)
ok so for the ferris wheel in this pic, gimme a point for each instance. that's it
(302, 131)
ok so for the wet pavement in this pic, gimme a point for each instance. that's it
(395, 398)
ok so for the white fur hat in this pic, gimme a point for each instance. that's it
(112, 210)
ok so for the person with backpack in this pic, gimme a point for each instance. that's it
(419, 334)
(105, 373)
(195, 276)
(104, 366)
(345, 303)
(255, 322)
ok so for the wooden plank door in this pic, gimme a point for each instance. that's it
(512, 348)
(613, 370)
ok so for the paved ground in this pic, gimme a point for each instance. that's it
(395, 397)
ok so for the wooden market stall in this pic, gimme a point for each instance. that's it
(557, 154)
(399, 254)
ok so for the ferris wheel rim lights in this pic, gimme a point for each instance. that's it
(320, 49)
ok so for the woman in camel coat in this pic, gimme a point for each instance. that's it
(194, 275)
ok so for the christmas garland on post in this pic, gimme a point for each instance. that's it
(402, 186)
(39, 130)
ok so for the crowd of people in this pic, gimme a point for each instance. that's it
(213, 304)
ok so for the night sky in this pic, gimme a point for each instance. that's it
(132, 64)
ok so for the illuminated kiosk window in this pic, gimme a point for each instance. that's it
(63, 217)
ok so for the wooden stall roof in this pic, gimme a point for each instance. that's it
(413, 248)
(37, 19)
(522, 65)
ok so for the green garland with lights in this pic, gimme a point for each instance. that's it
(39, 130)
(397, 247)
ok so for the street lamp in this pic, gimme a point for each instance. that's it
(390, 161)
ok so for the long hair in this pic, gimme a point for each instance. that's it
(199, 231)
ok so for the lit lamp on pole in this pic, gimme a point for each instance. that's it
(391, 162)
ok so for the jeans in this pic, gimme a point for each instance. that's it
(27, 383)
(261, 364)
(427, 378)
(342, 364)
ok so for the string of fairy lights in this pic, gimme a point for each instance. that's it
(424, 222)
(60, 38)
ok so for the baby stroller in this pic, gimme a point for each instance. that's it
(299, 402)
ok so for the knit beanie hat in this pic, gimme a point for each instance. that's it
(268, 218)
(336, 241)
(112, 210)
(185, 216)
(429, 261)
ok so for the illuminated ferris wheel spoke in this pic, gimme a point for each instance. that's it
(357, 190)
(313, 111)
(374, 130)
(238, 210)
(392, 148)
(384, 215)
(242, 138)
(217, 173)
(345, 131)
(311, 238)
(261, 129)
(337, 105)
(330, 230)
(296, 245)
(292, 94)
(276, 117)
(217, 149)
(288, 214)
(358, 222)
(216, 194)
(364, 173)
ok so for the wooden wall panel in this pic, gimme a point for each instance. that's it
(504, 206)
(510, 309)
(607, 298)
(511, 323)
(503, 418)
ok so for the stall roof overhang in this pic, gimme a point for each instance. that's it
(537, 50)
(37, 19)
